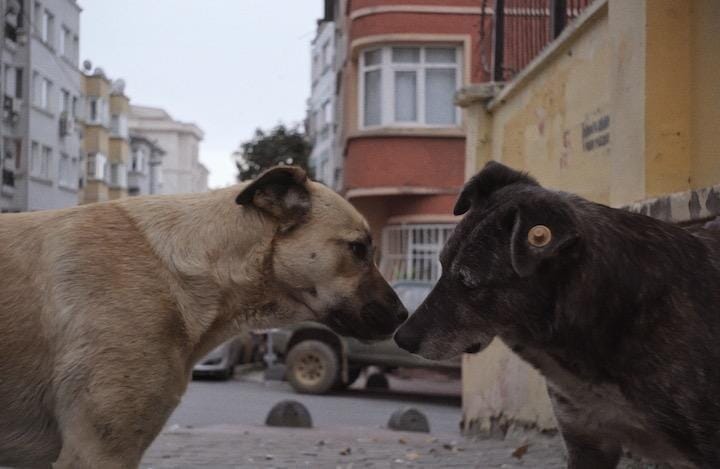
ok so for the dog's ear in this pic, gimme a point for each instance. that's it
(540, 234)
(281, 192)
(492, 177)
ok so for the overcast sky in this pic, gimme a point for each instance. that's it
(227, 65)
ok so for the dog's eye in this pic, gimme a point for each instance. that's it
(359, 250)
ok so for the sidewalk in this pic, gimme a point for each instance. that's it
(342, 447)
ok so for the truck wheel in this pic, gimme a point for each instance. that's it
(313, 367)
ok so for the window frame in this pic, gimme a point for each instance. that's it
(387, 84)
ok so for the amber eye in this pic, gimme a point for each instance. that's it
(539, 236)
(359, 250)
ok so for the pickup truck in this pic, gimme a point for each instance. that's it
(318, 360)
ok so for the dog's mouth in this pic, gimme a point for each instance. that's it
(474, 348)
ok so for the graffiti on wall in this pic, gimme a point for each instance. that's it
(595, 132)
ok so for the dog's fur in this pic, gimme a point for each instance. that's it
(105, 308)
(620, 312)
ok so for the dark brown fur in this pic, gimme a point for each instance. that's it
(620, 312)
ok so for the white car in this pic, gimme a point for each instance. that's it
(221, 361)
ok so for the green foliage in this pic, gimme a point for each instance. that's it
(280, 145)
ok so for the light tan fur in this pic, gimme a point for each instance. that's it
(105, 308)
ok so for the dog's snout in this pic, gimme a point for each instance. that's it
(407, 339)
(401, 313)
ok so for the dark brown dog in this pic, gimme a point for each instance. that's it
(619, 311)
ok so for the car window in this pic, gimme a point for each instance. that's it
(412, 295)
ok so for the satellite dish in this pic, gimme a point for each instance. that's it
(118, 86)
(87, 65)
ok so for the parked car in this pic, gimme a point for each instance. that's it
(220, 362)
(318, 360)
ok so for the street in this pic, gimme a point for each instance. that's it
(246, 400)
(221, 424)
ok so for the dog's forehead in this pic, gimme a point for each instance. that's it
(332, 209)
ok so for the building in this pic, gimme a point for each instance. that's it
(182, 170)
(145, 171)
(107, 140)
(41, 92)
(621, 108)
(401, 139)
(324, 159)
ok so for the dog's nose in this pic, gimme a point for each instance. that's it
(406, 339)
(401, 314)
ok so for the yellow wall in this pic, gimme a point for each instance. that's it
(667, 97)
(95, 191)
(705, 89)
(96, 139)
(119, 104)
(119, 151)
(540, 128)
(96, 85)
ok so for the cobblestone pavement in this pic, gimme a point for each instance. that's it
(237, 446)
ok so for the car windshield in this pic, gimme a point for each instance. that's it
(412, 295)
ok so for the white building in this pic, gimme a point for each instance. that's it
(41, 93)
(182, 170)
(321, 122)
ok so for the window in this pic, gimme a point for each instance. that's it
(409, 86)
(40, 160)
(119, 125)
(74, 106)
(64, 42)
(75, 50)
(118, 175)
(138, 161)
(18, 83)
(37, 17)
(412, 252)
(327, 56)
(47, 31)
(64, 101)
(9, 79)
(327, 112)
(42, 89)
(96, 167)
(97, 111)
(68, 171)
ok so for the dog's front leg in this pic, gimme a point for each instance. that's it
(585, 449)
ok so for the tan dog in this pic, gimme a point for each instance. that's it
(106, 307)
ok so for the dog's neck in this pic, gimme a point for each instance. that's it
(215, 254)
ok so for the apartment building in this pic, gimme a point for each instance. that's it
(400, 138)
(107, 139)
(41, 94)
(182, 170)
(326, 164)
(145, 171)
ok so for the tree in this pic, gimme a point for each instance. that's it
(281, 145)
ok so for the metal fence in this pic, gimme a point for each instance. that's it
(411, 252)
(522, 29)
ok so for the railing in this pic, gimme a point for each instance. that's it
(411, 252)
(522, 29)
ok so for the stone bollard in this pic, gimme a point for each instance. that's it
(409, 419)
(289, 414)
